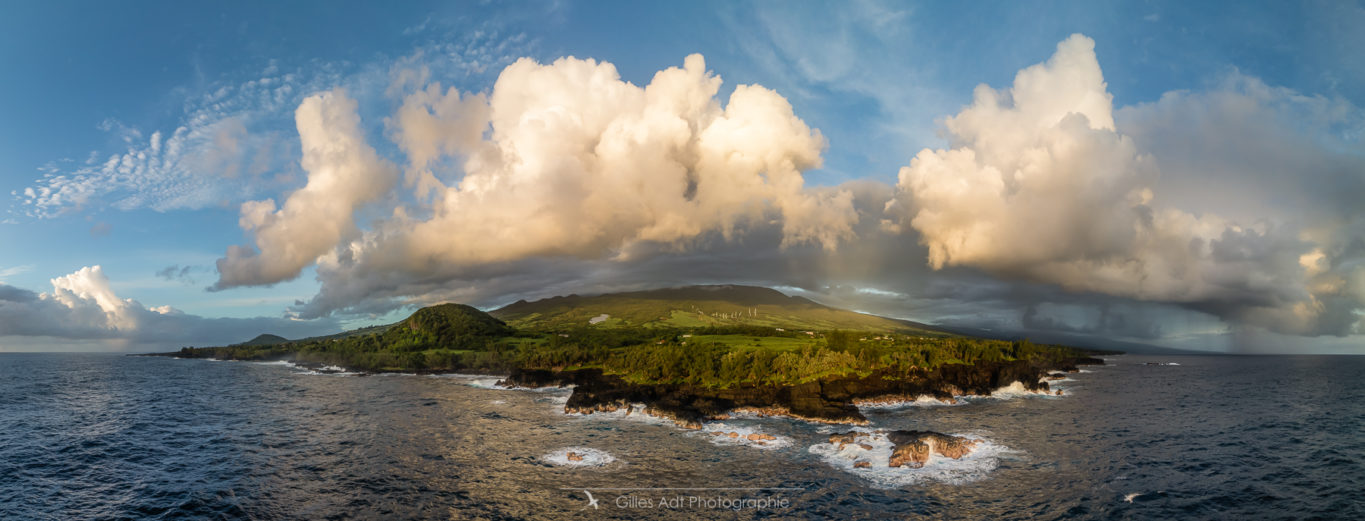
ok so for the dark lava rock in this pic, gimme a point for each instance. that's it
(913, 448)
(829, 401)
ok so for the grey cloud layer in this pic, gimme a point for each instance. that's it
(83, 307)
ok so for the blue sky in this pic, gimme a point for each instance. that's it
(89, 81)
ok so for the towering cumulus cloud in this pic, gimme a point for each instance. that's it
(1039, 184)
(566, 160)
(87, 292)
(343, 173)
(581, 163)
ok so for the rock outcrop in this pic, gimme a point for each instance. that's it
(911, 449)
(846, 438)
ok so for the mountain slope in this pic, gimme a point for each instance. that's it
(695, 306)
(446, 325)
(264, 340)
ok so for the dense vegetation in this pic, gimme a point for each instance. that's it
(453, 337)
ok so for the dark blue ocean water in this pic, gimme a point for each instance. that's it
(115, 437)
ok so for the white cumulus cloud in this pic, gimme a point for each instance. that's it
(344, 173)
(567, 160)
(1039, 184)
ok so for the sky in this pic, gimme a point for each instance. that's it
(1177, 174)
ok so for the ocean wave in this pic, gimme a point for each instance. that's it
(326, 370)
(920, 401)
(975, 466)
(1017, 390)
(719, 433)
(464, 376)
(330, 370)
(1143, 496)
(483, 381)
(590, 457)
(637, 412)
(557, 399)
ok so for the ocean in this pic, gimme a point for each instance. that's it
(100, 436)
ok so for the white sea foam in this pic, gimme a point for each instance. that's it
(491, 382)
(637, 412)
(977, 465)
(286, 363)
(920, 401)
(591, 457)
(566, 390)
(710, 430)
(330, 370)
(557, 399)
(1017, 390)
(484, 382)
(464, 376)
(1128, 498)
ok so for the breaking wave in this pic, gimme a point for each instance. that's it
(975, 466)
(589, 457)
(1017, 390)
(638, 412)
(920, 401)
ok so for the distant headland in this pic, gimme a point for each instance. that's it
(690, 354)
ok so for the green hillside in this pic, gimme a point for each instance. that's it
(265, 340)
(697, 307)
(714, 336)
(448, 324)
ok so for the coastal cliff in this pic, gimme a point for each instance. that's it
(832, 400)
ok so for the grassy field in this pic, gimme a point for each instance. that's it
(690, 308)
(777, 343)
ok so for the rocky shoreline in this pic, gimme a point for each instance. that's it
(833, 401)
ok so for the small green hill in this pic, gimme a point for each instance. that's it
(454, 326)
(265, 340)
(696, 307)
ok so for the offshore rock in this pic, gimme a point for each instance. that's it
(846, 438)
(913, 448)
